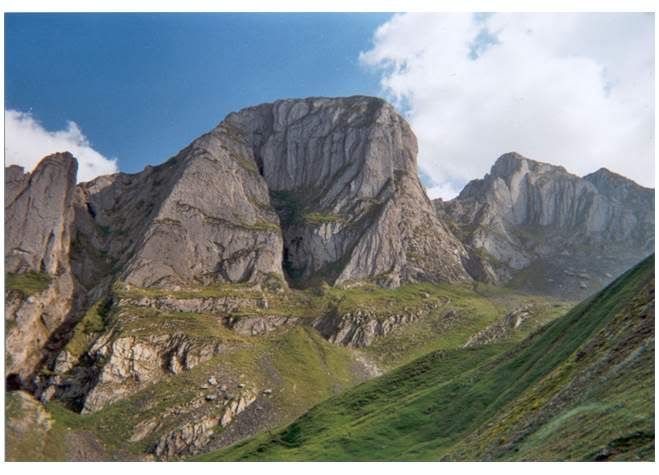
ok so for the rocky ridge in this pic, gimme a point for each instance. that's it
(555, 231)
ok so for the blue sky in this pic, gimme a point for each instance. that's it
(142, 86)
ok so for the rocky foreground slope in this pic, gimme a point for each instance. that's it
(542, 229)
(580, 388)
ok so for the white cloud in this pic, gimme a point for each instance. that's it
(571, 89)
(27, 142)
(445, 190)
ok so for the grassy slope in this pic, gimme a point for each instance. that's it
(474, 308)
(304, 369)
(540, 399)
(300, 366)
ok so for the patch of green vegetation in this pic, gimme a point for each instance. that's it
(486, 256)
(29, 283)
(259, 204)
(144, 321)
(289, 205)
(274, 283)
(493, 401)
(311, 369)
(123, 290)
(601, 395)
(532, 276)
(345, 414)
(91, 325)
(530, 234)
(261, 226)
(168, 221)
(317, 218)
(104, 230)
(10, 324)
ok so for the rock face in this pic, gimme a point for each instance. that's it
(131, 363)
(343, 179)
(357, 330)
(193, 437)
(565, 232)
(259, 325)
(39, 214)
(202, 217)
(39, 221)
(314, 189)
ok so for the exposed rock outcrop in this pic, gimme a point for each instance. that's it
(39, 215)
(359, 329)
(537, 217)
(216, 305)
(501, 329)
(192, 437)
(259, 325)
(130, 363)
(38, 227)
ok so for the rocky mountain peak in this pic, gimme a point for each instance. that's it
(526, 214)
(285, 136)
(38, 214)
(339, 171)
(510, 169)
(618, 187)
(513, 163)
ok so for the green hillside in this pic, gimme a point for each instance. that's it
(580, 388)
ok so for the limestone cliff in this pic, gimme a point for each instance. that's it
(550, 230)
(342, 176)
(40, 295)
(38, 215)
(312, 190)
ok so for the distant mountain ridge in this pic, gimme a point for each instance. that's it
(540, 223)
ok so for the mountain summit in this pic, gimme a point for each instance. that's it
(547, 229)
(311, 190)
